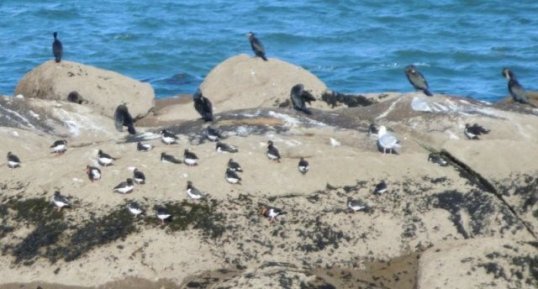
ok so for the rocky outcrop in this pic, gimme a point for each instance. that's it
(101, 89)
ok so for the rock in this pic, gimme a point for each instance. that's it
(102, 89)
(248, 82)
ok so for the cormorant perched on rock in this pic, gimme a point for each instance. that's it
(203, 106)
(57, 48)
(517, 91)
(299, 98)
(417, 79)
(122, 118)
(256, 45)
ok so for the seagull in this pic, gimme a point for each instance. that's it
(162, 214)
(94, 174)
(59, 146)
(272, 152)
(139, 177)
(436, 158)
(256, 46)
(124, 187)
(203, 105)
(355, 205)
(13, 161)
(234, 166)
(387, 141)
(212, 134)
(225, 148)
(417, 79)
(104, 159)
(193, 192)
(135, 209)
(303, 166)
(168, 137)
(473, 131)
(60, 201)
(232, 177)
(271, 213)
(143, 147)
(190, 158)
(122, 118)
(166, 158)
(380, 188)
(57, 48)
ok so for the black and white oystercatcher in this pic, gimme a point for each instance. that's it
(380, 188)
(135, 209)
(256, 46)
(212, 134)
(139, 177)
(417, 79)
(124, 187)
(60, 201)
(225, 148)
(303, 166)
(272, 152)
(59, 147)
(13, 161)
(271, 213)
(474, 131)
(104, 159)
(94, 173)
(234, 166)
(355, 205)
(167, 137)
(437, 158)
(190, 158)
(143, 147)
(193, 192)
(162, 214)
(232, 177)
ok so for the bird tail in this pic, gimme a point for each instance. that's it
(263, 57)
(427, 92)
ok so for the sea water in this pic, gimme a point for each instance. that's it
(353, 46)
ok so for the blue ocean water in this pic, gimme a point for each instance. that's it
(353, 46)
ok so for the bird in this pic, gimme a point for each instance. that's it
(355, 205)
(122, 118)
(167, 137)
(373, 129)
(225, 148)
(104, 159)
(143, 147)
(135, 209)
(193, 192)
(303, 166)
(94, 173)
(60, 201)
(299, 98)
(271, 213)
(436, 158)
(13, 161)
(272, 152)
(190, 158)
(417, 79)
(59, 146)
(517, 91)
(232, 177)
(124, 187)
(57, 48)
(162, 214)
(473, 131)
(166, 158)
(380, 188)
(212, 134)
(234, 166)
(386, 141)
(139, 177)
(256, 46)
(203, 105)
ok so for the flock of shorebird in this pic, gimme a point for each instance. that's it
(387, 142)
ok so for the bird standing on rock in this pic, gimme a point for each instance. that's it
(139, 177)
(162, 214)
(168, 137)
(272, 152)
(517, 91)
(417, 79)
(303, 166)
(124, 187)
(143, 147)
(203, 105)
(166, 158)
(135, 209)
(60, 201)
(473, 131)
(94, 174)
(190, 158)
(271, 213)
(256, 46)
(57, 48)
(59, 147)
(104, 159)
(232, 177)
(386, 141)
(225, 148)
(193, 192)
(299, 98)
(234, 166)
(13, 161)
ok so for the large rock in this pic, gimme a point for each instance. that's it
(100, 88)
(246, 82)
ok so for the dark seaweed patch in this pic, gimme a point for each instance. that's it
(35, 210)
(318, 236)
(41, 237)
